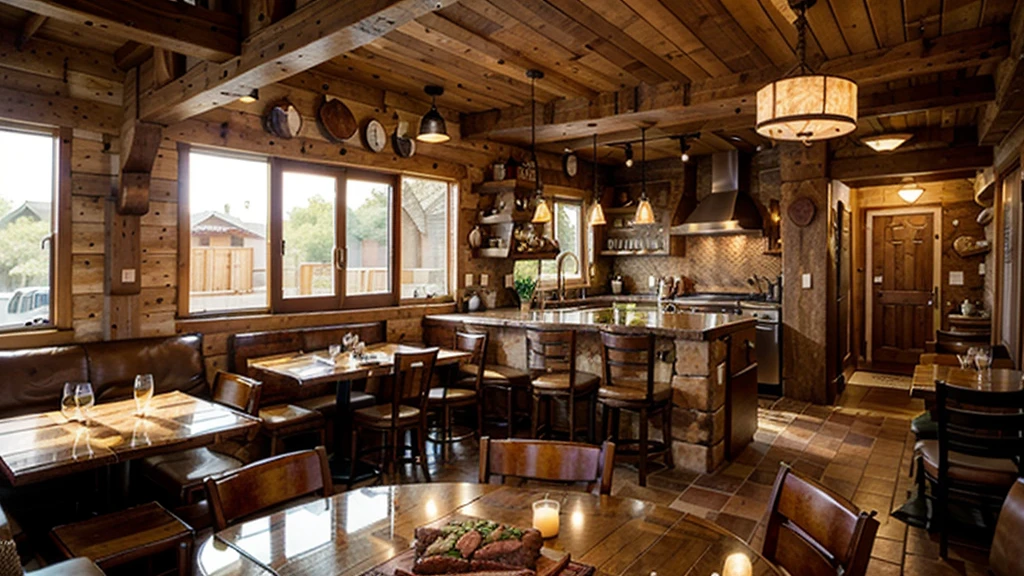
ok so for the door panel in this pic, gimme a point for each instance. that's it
(903, 261)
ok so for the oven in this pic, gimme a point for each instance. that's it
(769, 345)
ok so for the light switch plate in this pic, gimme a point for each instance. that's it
(981, 269)
(485, 279)
(128, 275)
(956, 278)
(805, 281)
(878, 279)
(509, 281)
(469, 279)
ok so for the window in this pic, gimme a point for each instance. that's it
(28, 189)
(227, 204)
(334, 238)
(425, 240)
(569, 230)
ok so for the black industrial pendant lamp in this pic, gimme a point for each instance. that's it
(432, 126)
(542, 215)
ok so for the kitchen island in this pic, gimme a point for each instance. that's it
(709, 359)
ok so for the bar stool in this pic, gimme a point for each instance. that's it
(506, 381)
(551, 359)
(629, 385)
(461, 391)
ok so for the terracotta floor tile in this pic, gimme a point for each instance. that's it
(845, 488)
(877, 486)
(878, 567)
(743, 528)
(844, 472)
(750, 508)
(764, 476)
(809, 469)
(719, 482)
(888, 550)
(709, 499)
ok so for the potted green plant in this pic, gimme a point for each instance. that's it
(525, 286)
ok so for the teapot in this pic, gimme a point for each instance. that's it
(967, 308)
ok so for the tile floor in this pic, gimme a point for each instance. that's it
(860, 448)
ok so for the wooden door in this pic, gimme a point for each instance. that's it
(903, 287)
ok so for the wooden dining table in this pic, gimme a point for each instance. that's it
(310, 368)
(351, 533)
(994, 379)
(37, 447)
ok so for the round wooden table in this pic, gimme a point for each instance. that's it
(351, 533)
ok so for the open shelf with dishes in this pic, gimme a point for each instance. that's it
(622, 237)
(503, 227)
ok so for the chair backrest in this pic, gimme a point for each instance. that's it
(812, 531)
(951, 360)
(1005, 558)
(267, 483)
(548, 460)
(629, 361)
(410, 384)
(551, 351)
(980, 423)
(238, 392)
(959, 341)
(476, 344)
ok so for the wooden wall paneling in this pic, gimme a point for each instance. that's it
(59, 111)
(122, 320)
(184, 224)
(62, 244)
(87, 274)
(124, 253)
(51, 59)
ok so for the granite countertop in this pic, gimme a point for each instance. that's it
(622, 319)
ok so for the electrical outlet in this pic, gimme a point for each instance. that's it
(469, 279)
(484, 279)
(981, 269)
(806, 281)
(509, 281)
(128, 276)
(956, 278)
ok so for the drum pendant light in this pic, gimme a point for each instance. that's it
(596, 213)
(432, 125)
(644, 212)
(804, 106)
(542, 215)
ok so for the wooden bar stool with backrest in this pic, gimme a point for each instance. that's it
(181, 474)
(548, 460)
(629, 385)
(813, 531)
(551, 360)
(406, 410)
(979, 453)
(1005, 558)
(267, 484)
(464, 391)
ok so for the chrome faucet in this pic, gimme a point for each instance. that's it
(560, 278)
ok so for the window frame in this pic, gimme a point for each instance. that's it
(583, 280)
(60, 238)
(451, 246)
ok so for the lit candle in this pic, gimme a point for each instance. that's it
(737, 564)
(545, 517)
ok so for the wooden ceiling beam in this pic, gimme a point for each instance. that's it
(728, 96)
(911, 164)
(132, 54)
(175, 26)
(1002, 116)
(29, 29)
(312, 35)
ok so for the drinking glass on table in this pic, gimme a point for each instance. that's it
(68, 406)
(334, 350)
(143, 393)
(983, 359)
(84, 400)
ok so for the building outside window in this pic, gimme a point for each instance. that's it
(425, 240)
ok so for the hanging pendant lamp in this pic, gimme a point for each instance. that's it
(644, 212)
(596, 213)
(432, 125)
(805, 106)
(542, 214)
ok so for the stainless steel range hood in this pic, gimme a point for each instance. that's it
(729, 209)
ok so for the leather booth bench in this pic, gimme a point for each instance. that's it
(33, 378)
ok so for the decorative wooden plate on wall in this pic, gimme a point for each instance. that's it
(967, 246)
(802, 210)
(336, 120)
(283, 120)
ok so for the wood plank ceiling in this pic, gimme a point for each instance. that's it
(479, 51)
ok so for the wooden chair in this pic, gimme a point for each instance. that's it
(10, 562)
(979, 453)
(629, 385)
(924, 425)
(812, 531)
(283, 421)
(464, 392)
(267, 484)
(551, 360)
(1005, 557)
(181, 474)
(548, 460)
(405, 410)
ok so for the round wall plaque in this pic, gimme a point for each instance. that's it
(801, 211)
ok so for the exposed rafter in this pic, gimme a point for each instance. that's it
(916, 163)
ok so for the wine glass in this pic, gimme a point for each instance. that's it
(84, 399)
(983, 359)
(68, 405)
(143, 393)
(348, 340)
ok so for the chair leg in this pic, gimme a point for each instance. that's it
(643, 446)
(534, 416)
(421, 439)
(592, 419)
(572, 418)
(606, 424)
(273, 444)
(941, 510)
(666, 431)
(353, 456)
(323, 437)
(510, 408)
(185, 558)
(480, 416)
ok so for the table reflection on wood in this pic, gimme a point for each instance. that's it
(994, 379)
(308, 368)
(36, 447)
(353, 532)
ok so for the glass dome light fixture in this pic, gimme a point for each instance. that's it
(644, 211)
(886, 142)
(910, 192)
(804, 106)
(597, 212)
(542, 214)
(432, 126)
